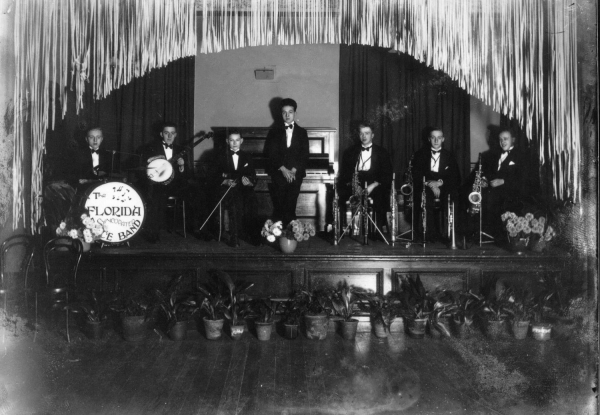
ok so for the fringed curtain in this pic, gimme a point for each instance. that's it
(402, 98)
(517, 56)
(59, 44)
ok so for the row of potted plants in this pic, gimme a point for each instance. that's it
(439, 312)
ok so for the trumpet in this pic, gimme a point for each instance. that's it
(451, 224)
(475, 195)
(407, 188)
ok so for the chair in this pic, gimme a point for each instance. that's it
(27, 242)
(176, 203)
(59, 288)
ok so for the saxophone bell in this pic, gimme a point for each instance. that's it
(475, 198)
(406, 189)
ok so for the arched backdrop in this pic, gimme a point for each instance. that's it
(519, 57)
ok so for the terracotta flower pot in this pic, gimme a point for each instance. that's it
(520, 329)
(333, 324)
(496, 329)
(417, 328)
(288, 246)
(397, 325)
(380, 330)
(213, 328)
(316, 326)
(291, 331)
(134, 328)
(349, 328)
(563, 328)
(179, 331)
(541, 331)
(263, 330)
(236, 331)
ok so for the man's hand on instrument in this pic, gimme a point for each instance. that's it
(246, 181)
(84, 181)
(497, 182)
(181, 164)
(229, 182)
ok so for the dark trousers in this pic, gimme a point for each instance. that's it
(243, 207)
(285, 197)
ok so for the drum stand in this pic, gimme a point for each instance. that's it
(366, 217)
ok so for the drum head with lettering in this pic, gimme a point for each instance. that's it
(118, 207)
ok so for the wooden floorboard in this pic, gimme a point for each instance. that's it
(247, 403)
(235, 375)
(211, 396)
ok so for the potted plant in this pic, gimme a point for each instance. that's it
(344, 302)
(381, 310)
(236, 308)
(177, 308)
(265, 309)
(315, 313)
(520, 304)
(418, 304)
(558, 299)
(95, 307)
(288, 236)
(293, 310)
(496, 312)
(443, 309)
(467, 307)
(134, 307)
(213, 305)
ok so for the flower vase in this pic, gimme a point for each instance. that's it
(538, 245)
(518, 245)
(288, 246)
(86, 246)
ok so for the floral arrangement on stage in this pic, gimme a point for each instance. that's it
(84, 228)
(529, 227)
(295, 230)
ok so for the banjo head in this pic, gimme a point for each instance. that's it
(160, 171)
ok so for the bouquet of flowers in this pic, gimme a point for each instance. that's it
(528, 226)
(85, 228)
(294, 230)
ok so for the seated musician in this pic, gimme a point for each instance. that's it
(286, 149)
(442, 177)
(235, 174)
(505, 182)
(157, 191)
(372, 164)
(92, 163)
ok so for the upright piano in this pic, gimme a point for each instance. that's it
(313, 200)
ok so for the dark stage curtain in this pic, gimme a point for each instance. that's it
(130, 117)
(402, 98)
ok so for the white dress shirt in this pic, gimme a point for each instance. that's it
(235, 158)
(288, 134)
(168, 152)
(364, 160)
(95, 159)
(435, 160)
(503, 157)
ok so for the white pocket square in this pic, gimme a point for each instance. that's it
(446, 168)
(246, 165)
(512, 163)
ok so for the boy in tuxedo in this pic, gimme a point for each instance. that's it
(236, 174)
(286, 149)
(92, 162)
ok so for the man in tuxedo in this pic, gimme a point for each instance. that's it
(92, 163)
(373, 166)
(286, 149)
(506, 175)
(236, 175)
(158, 193)
(438, 167)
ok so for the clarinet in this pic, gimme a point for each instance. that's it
(393, 209)
(365, 219)
(424, 210)
(451, 224)
(336, 215)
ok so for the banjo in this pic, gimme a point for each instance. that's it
(160, 170)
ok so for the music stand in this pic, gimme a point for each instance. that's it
(363, 210)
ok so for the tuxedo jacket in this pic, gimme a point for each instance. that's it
(278, 154)
(448, 170)
(225, 168)
(84, 168)
(380, 171)
(513, 170)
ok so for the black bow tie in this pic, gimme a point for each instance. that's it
(435, 151)
(506, 152)
(366, 148)
(94, 151)
(290, 126)
(167, 145)
(233, 152)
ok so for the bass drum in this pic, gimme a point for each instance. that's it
(118, 207)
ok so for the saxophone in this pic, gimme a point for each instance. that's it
(407, 188)
(424, 210)
(475, 195)
(336, 215)
(355, 199)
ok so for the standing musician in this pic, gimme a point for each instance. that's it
(373, 166)
(158, 193)
(92, 163)
(442, 178)
(286, 149)
(235, 174)
(505, 176)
